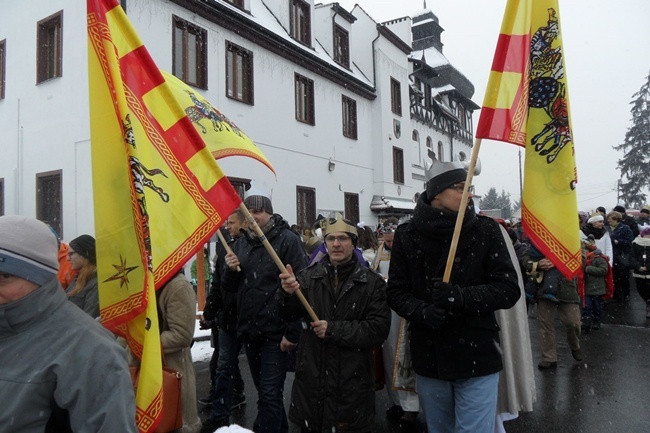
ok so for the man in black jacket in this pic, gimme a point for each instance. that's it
(266, 338)
(334, 385)
(454, 333)
(221, 308)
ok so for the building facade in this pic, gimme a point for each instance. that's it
(348, 110)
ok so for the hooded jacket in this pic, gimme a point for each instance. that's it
(467, 344)
(641, 251)
(53, 355)
(259, 279)
(334, 388)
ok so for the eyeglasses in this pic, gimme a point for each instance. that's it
(460, 187)
(340, 239)
(72, 253)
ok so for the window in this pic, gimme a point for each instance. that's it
(415, 136)
(49, 42)
(189, 58)
(304, 100)
(3, 69)
(395, 96)
(441, 150)
(2, 196)
(240, 185)
(462, 118)
(429, 143)
(48, 200)
(305, 206)
(341, 47)
(351, 207)
(398, 165)
(349, 117)
(301, 21)
(238, 3)
(239, 73)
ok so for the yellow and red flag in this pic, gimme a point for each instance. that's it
(527, 104)
(221, 136)
(159, 194)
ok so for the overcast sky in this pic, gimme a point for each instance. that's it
(607, 57)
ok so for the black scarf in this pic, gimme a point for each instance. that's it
(588, 229)
(439, 223)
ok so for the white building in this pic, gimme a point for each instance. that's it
(346, 109)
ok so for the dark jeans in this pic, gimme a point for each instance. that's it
(268, 366)
(621, 283)
(643, 287)
(228, 377)
(593, 307)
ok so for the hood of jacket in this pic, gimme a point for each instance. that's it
(17, 316)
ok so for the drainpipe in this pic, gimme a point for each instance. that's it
(18, 171)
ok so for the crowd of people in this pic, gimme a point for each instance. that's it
(381, 315)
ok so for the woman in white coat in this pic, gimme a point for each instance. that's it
(596, 226)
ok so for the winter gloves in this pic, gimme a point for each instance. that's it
(447, 296)
(433, 317)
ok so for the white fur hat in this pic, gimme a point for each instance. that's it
(594, 218)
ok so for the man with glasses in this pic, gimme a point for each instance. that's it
(61, 371)
(454, 333)
(333, 389)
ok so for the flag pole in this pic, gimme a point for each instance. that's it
(275, 258)
(461, 215)
(225, 245)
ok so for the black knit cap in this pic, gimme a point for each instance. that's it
(84, 245)
(259, 202)
(619, 209)
(441, 182)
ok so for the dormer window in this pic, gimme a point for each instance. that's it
(341, 47)
(301, 21)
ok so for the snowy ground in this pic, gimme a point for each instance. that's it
(201, 350)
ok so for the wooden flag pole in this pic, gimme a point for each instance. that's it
(461, 215)
(225, 245)
(275, 258)
(200, 278)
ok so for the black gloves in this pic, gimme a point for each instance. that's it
(433, 317)
(447, 296)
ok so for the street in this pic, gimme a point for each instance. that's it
(607, 392)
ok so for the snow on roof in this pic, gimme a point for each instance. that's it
(262, 16)
(432, 57)
(428, 20)
(421, 12)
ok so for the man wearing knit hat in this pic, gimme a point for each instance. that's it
(337, 350)
(453, 325)
(45, 340)
(266, 338)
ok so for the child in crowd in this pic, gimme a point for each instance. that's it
(597, 274)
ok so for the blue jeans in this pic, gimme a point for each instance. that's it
(593, 307)
(268, 366)
(228, 378)
(459, 406)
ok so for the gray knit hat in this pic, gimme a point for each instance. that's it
(259, 202)
(28, 249)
